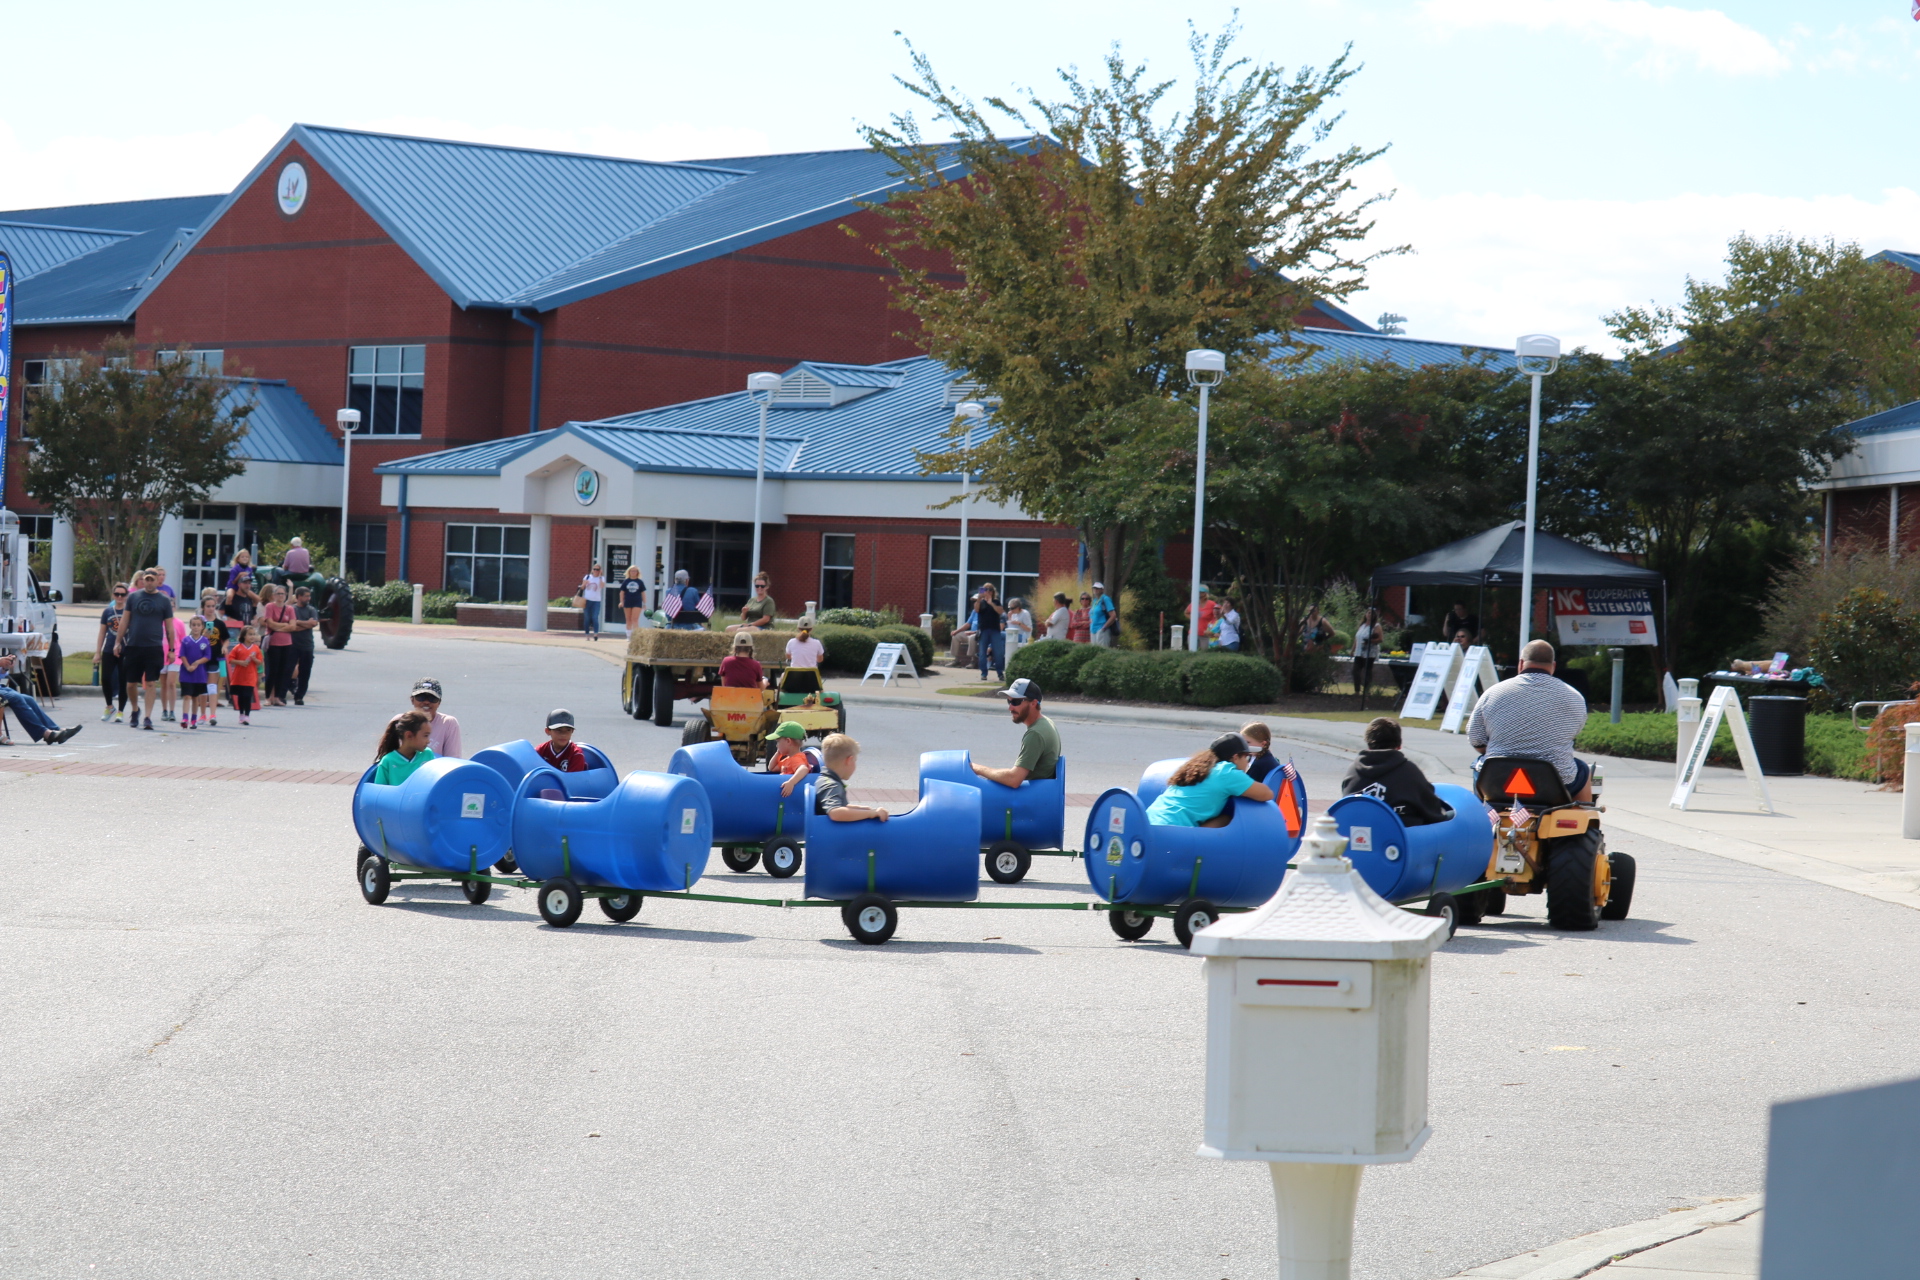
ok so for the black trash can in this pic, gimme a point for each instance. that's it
(1779, 734)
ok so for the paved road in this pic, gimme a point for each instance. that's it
(222, 1063)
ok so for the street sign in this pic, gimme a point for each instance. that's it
(1437, 667)
(888, 661)
(1477, 675)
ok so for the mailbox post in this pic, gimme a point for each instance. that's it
(1317, 1045)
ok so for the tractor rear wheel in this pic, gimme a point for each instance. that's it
(663, 697)
(636, 691)
(1473, 906)
(1570, 881)
(1620, 900)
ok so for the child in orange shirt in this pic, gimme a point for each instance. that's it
(243, 671)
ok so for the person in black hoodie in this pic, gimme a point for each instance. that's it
(1383, 772)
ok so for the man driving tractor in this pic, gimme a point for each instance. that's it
(1535, 715)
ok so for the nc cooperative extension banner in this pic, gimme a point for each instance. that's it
(1604, 615)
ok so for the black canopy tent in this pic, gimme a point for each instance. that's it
(1492, 559)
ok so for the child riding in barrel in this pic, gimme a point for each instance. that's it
(1198, 792)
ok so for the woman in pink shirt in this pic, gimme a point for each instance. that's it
(279, 620)
(444, 730)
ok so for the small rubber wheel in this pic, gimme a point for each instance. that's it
(477, 891)
(507, 866)
(1008, 862)
(870, 918)
(560, 902)
(781, 856)
(1473, 906)
(1130, 925)
(361, 857)
(1190, 917)
(375, 881)
(738, 859)
(841, 727)
(1447, 907)
(1620, 900)
(1572, 863)
(621, 907)
(1495, 903)
(698, 730)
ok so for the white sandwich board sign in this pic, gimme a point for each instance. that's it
(1477, 675)
(1724, 705)
(890, 660)
(1438, 666)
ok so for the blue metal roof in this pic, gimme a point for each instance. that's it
(1327, 346)
(125, 216)
(282, 427)
(34, 248)
(1911, 261)
(872, 438)
(91, 263)
(1898, 418)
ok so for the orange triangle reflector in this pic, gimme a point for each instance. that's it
(1290, 808)
(1519, 784)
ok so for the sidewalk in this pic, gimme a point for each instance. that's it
(1718, 1241)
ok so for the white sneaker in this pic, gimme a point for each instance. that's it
(106, 717)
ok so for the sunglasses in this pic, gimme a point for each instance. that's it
(426, 698)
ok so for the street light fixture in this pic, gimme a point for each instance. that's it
(1205, 369)
(349, 422)
(973, 411)
(1538, 355)
(769, 383)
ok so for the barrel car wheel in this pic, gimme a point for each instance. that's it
(361, 856)
(1190, 917)
(621, 907)
(1130, 925)
(507, 866)
(870, 918)
(1575, 881)
(1473, 906)
(1620, 899)
(636, 691)
(560, 902)
(477, 891)
(375, 881)
(1008, 862)
(1447, 907)
(782, 856)
(738, 858)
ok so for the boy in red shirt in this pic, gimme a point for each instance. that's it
(560, 750)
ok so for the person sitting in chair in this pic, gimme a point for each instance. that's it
(1536, 716)
(1384, 772)
(38, 724)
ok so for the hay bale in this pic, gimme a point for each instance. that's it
(707, 648)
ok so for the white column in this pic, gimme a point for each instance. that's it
(1316, 1204)
(1893, 522)
(539, 560)
(1910, 801)
(62, 565)
(173, 549)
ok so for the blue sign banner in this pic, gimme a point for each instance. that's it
(6, 367)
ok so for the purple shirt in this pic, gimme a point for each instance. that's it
(195, 649)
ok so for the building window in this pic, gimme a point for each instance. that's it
(36, 376)
(387, 386)
(715, 553)
(836, 571)
(487, 561)
(37, 533)
(367, 553)
(205, 363)
(1012, 565)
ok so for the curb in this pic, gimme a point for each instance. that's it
(1584, 1255)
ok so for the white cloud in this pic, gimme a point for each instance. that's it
(1707, 38)
(1487, 267)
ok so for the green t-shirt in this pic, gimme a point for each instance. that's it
(758, 609)
(395, 768)
(1040, 749)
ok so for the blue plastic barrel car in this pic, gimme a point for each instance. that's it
(752, 821)
(928, 854)
(449, 815)
(1196, 871)
(515, 760)
(1013, 820)
(650, 835)
(1424, 864)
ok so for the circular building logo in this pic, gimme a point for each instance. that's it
(586, 485)
(291, 190)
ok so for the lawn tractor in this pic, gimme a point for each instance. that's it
(743, 718)
(1548, 842)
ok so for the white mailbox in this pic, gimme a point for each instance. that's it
(1317, 1012)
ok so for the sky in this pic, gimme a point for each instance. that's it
(1549, 160)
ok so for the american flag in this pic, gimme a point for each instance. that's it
(1493, 816)
(706, 603)
(1289, 798)
(671, 605)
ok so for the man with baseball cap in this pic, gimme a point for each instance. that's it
(1039, 746)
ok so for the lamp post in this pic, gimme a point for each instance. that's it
(1538, 355)
(768, 383)
(1205, 368)
(349, 422)
(972, 411)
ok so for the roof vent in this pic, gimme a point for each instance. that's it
(967, 389)
(804, 389)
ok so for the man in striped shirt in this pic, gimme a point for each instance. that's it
(1535, 715)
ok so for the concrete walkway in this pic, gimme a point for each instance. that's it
(1718, 1241)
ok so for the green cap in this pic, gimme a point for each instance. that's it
(789, 729)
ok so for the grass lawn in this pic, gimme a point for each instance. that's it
(1835, 749)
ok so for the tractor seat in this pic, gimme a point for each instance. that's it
(1535, 784)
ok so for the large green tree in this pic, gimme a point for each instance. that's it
(1722, 411)
(116, 447)
(1105, 242)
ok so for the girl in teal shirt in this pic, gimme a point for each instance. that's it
(1198, 792)
(403, 748)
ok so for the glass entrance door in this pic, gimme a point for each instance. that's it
(208, 553)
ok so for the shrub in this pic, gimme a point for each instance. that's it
(919, 643)
(1136, 676)
(1313, 670)
(1867, 646)
(388, 600)
(849, 649)
(851, 618)
(942, 630)
(1886, 748)
(1056, 664)
(439, 604)
(1835, 749)
(1230, 680)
